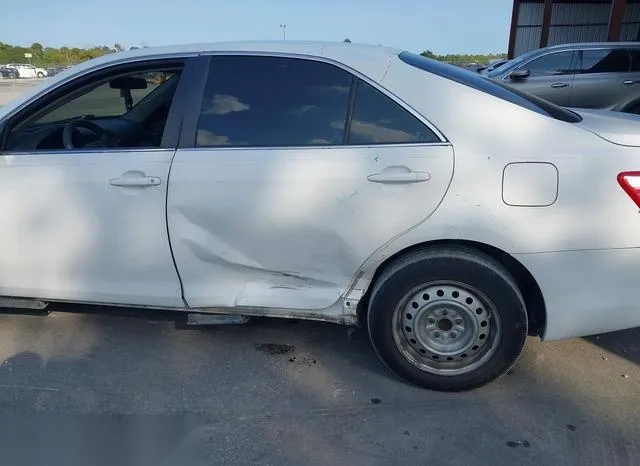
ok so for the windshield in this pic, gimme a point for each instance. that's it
(488, 86)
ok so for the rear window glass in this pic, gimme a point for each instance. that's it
(494, 88)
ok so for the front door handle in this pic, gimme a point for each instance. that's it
(558, 85)
(629, 82)
(403, 177)
(131, 181)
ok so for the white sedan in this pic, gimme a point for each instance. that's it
(448, 214)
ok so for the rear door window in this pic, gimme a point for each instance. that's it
(377, 119)
(604, 61)
(255, 101)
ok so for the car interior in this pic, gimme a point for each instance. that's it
(122, 111)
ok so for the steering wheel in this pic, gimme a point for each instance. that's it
(105, 138)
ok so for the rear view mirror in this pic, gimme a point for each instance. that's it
(522, 73)
(128, 83)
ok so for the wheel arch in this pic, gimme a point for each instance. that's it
(531, 292)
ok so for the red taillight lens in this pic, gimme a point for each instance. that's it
(630, 182)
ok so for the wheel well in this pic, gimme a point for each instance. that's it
(534, 301)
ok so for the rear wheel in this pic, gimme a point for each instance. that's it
(447, 319)
(40, 74)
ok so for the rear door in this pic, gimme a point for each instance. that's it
(603, 78)
(550, 77)
(290, 175)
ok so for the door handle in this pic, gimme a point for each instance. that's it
(406, 177)
(629, 82)
(558, 85)
(142, 181)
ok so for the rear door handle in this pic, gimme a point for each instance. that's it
(406, 177)
(142, 181)
(558, 85)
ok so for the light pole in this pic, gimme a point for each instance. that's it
(284, 31)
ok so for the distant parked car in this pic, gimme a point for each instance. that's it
(28, 71)
(492, 65)
(55, 70)
(8, 73)
(602, 75)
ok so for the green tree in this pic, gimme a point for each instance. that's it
(347, 40)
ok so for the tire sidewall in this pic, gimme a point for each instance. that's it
(492, 283)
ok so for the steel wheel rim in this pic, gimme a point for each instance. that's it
(446, 328)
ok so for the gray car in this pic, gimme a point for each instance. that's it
(604, 75)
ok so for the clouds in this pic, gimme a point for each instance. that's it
(208, 138)
(373, 133)
(299, 111)
(223, 104)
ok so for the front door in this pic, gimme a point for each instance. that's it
(296, 172)
(550, 77)
(83, 182)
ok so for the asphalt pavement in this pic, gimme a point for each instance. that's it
(12, 88)
(139, 389)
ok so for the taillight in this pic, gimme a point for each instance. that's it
(630, 182)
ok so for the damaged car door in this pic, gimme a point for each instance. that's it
(292, 173)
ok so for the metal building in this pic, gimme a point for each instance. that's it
(538, 23)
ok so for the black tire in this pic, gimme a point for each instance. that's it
(466, 267)
(40, 75)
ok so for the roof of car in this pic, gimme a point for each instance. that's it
(586, 45)
(312, 48)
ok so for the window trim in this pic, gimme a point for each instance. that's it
(189, 127)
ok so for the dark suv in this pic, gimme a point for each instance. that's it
(603, 75)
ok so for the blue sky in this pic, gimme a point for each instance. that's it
(443, 26)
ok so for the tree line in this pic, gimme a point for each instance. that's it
(65, 56)
(51, 56)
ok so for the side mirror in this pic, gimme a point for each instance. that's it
(128, 83)
(522, 73)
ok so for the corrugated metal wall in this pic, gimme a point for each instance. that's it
(529, 27)
(572, 22)
(631, 23)
(575, 21)
(579, 22)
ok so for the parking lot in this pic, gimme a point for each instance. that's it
(117, 387)
(10, 88)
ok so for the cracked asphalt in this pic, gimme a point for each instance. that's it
(93, 389)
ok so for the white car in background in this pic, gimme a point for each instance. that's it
(354, 184)
(28, 71)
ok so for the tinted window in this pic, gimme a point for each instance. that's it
(635, 59)
(604, 61)
(550, 65)
(487, 85)
(379, 120)
(269, 101)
